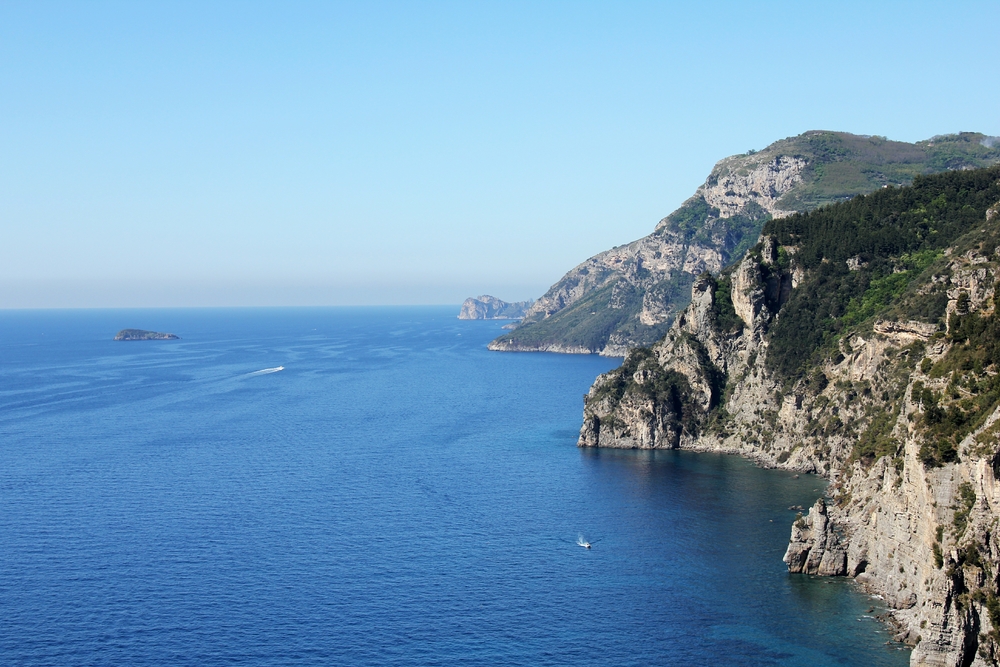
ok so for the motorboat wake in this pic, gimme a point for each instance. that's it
(265, 371)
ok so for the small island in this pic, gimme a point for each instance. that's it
(140, 334)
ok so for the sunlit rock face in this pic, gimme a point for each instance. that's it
(488, 307)
(629, 295)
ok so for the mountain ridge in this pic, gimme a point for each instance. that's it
(629, 295)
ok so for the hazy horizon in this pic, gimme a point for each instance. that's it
(308, 154)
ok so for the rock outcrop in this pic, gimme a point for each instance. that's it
(896, 399)
(142, 334)
(629, 295)
(488, 307)
(814, 547)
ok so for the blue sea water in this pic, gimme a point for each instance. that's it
(397, 495)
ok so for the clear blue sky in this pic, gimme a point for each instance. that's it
(247, 153)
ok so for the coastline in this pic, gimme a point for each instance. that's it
(921, 535)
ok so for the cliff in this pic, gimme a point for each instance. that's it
(488, 307)
(860, 342)
(629, 295)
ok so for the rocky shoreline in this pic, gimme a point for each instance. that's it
(509, 346)
(913, 525)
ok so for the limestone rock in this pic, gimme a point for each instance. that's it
(488, 307)
(904, 333)
(814, 547)
(763, 181)
(629, 295)
(142, 334)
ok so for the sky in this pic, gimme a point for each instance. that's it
(346, 153)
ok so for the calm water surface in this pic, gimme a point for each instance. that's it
(397, 495)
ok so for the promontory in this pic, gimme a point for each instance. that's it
(488, 307)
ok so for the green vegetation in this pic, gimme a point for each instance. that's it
(972, 392)
(884, 291)
(843, 165)
(588, 323)
(726, 319)
(591, 321)
(838, 166)
(964, 150)
(690, 218)
(896, 240)
(893, 236)
(989, 642)
(744, 229)
(897, 273)
(965, 502)
(737, 233)
(666, 388)
(877, 440)
(715, 377)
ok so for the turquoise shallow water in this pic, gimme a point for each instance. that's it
(397, 495)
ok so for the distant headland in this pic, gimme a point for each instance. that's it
(140, 334)
(488, 307)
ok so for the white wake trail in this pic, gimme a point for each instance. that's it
(265, 371)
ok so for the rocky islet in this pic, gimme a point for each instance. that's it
(142, 334)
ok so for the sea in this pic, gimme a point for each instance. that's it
(371, 486)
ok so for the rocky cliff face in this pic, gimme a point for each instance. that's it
(646, 282)
(899, 407)
(629, 295)
(488, 307)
